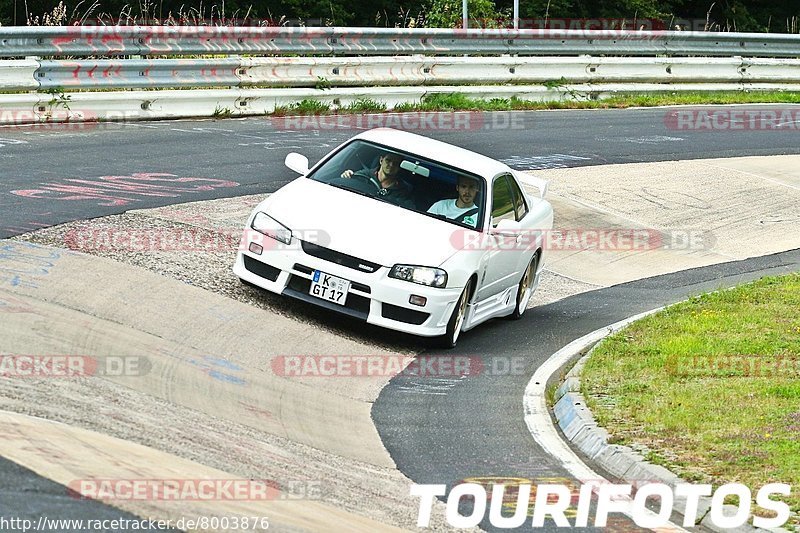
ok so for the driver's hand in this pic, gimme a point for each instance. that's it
(347, 173)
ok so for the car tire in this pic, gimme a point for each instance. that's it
(525, 289)
(456, 322)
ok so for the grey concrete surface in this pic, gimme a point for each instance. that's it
(211, 354)
(730, 209)
(208, 355)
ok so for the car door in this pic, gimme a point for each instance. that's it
(503, 254)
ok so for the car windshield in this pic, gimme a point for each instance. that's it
(406, 180)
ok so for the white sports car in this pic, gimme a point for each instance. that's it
(401, 231)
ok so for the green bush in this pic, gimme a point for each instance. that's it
(448, 14)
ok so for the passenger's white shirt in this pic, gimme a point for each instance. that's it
(449, 209)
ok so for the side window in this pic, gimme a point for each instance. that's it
(502, 201)
(519, 199)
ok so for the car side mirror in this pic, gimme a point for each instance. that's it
(297, 162)
(507, 227)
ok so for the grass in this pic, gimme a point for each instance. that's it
(711, 386)
(365, 105)
(462, 102)
(304, 107)
(222, 113)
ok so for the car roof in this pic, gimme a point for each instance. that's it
(436, 150)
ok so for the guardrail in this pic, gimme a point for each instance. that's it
(18, 75)
(137, 73)
(150, 105)
(181, 40)
(341, 65)
(386, 71)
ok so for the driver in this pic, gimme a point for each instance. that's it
(461, 209)
(386, 181)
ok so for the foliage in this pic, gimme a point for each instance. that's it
(724, 15)
(304, 107)
(448, 14)
(365, 105)
(322, 83)
(221, 112)
(448, 102)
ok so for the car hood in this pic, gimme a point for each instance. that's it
(362, 227)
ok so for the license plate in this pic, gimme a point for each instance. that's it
(329, 287)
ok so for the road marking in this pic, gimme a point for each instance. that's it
(8, 142)
(133, 123)
(542, 162)
(24, 263)
(212, 365)
(123, 190)
(431, 386)
(646, 139)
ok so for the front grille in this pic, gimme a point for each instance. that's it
(339, 258)
(261, 269)
(355, 305)
(403, 314)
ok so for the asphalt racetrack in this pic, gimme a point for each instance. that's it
(245, 156)
(436, 431)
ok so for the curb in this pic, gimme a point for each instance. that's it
(540, 424)
(580, 428)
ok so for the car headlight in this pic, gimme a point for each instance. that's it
(433, 277)
(263, 223)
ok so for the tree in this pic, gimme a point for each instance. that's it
(742, 15)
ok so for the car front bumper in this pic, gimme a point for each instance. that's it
(373, 296)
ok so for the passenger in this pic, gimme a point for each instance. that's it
(386, 181)
(463, 208)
